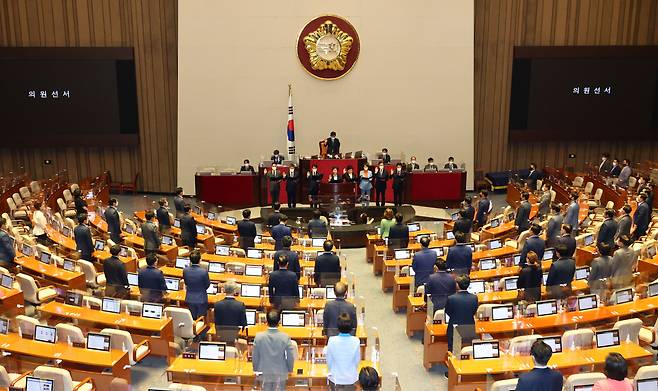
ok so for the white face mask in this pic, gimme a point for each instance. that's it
(292, 170)
(315, 170)
(614, 163)
(399, 169)
(413, 162)
(381, 167)
(333, 137)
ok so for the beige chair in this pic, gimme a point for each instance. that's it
(24, 193)
(521, 345)
(92, 302)
(74, 187)
(26, 325)
(184, 326)
(12, 380)
(504, 385)
(484, 311)
(646, 372)
(295, 349)
(582, 379)
(185, 387)
(581, 338)
(35, 187)
(629, 330)
(18, 201)
(420, 290)
(440, 315)
(14, 212)
(69, 223)
(68, 332)
(32, 292)
(64, 209)
(62, 379)
(68, 197)
(596, 201)
(235, 267)
(609, 205)
(649, 335)
(589, 186)
(578, 181)
(93, 278)
(318, 293)
(553, 195)
(131, 306)
(518, 244)
(122, 340)
(632, 181)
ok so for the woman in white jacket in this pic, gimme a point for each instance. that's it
(39, 223)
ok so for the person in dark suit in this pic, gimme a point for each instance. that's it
(541, 378)
(522, 220)
(483, 208)
(152, 284)
(333, 146)
(530, 276)
(560, 275)
(644, 186)
(460, 307)
(625, 173)
(467, 205)
(279, 231)
(349, 176)
(275, 178)
(544, 202)
(440, 285)
(430, 166)
(573, 214)
(623, 264)
(291, 256)
(386, 158)
(624, 223)
(600, 270)
(179, 202)
(399, 180)
(335, 177)
(451, 165)
(616, 169)
(282, 286)
(83, 241)
(567, 239)
(162, 214)
(460, 256)
(533, 243)
(113, 221)
(641, 217)
(608, 229)
(317, 228)
(554, 226)
(188, 228)
(533, 175)
(327, 266)
(277, 158)
(150, 234)
(79, 202)
(381, 177)
(115, 275)
(463, 224)
(606, 165)
(246, 231)
(314, 178)
(423, 262)
(274, 218)
(334, 308)
(398, 234)
(292, 184)
(7, 251)
(246, 167)
(413, 164)
(197, 282)
(230, 312)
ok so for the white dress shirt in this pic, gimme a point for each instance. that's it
(39, 220)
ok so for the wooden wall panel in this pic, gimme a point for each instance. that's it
(150, 27)
(502, 24)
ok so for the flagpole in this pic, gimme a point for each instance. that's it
(290, 130)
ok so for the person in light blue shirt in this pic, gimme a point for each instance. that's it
(343, 354)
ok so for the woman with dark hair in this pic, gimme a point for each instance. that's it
(529, 282)
(616, 371)
(80, 203)
(369, 379)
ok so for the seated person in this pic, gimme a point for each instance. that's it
(386, 158)
(615, 371)
(317, 228)
(451, 165)
(277, 158)
(246, 167)
(430, 166)
(413, 164)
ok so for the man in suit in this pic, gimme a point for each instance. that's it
(115, 275)
(398, 234)
(179, 202)
(566, 238)
(386, 158)
(275, 178)
(533, 243)
(327, 266)
(616, 169)
(292, 183)
(197, 282)
(440, 285)
(573, 213)
(381, 177)
(641, 217)
(246, 167)
(460, 307)
(600, 270)
(522, 220)
(625, 173)
(291, 256)
(608, 229)
(150, 234)
(273, 355)
(624, 262)
(463, 224)
(533, 175)
(113, 220)
(334, 308)
(188, 228)
(399, 179)
(314, 178)
(423, 262)
(162, 214)
(624, 223)
(451, 165)
(483, 208)
(7, 251)
(606, 165)
(276, 157)
(561, 273)
(230, 312)
(333, 146)
(554, 226)
(246, 230)
(279, 231)
(152, 284)
(83, 242)
(317, 228)
(348, 175)
(541, 378)
(467, 204)
(430, 166)
(274, 218)
(413, 164)
(282, 286)
(460, 256)
(544, 202)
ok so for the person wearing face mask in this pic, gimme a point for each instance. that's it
(606, 164)
(616, 168)
(413, 165)
(246, 167)
(533, 175)
(430, 166)
(386, 158)
(335, 177)
(381, 177)
(333, 146)
(645, 187)
(275, 178)
(451, 165)
(365, 185)
(399, 180)
(277, 158)
(292, 181)
(625, 173)
(314, 178)
(348, 175)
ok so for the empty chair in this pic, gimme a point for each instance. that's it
(632, 181)
(131, 306)
(518, 244)
(68, 197)
(484, 311)
(578, 181)
(235, 267)
(646, 372)
(92, 302)
(609, 205)
(504, 385)
(521, 345)
(648, 334)
(582, 379)
(93, 278)
(13, 380)
(184, 326)
(553, 195)
(64, 209)
(596, 201)
(18, 201)
(122, 340)
(440, 315)
(35, 187)
(589, 186)
(68, 332)
(62, 379)
(185, 387)
(579, 339)
(318, 293)
(26, 325)
(629, 330)
(74, 187)
(420, 290)
(25, 193)
(32, 292)
(14, 212)
(466, 352)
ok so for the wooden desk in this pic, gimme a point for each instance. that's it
(377, 240)
(240, 279)
(313, 333)
(81, 362)
(101, 256)
(137, 242)
(65, 242)
(207, 240)
(51, 274)
(11, 302)
(250, 302)
(159, 332)
(382, 250)
(249, 261)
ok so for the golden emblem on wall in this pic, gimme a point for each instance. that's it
(328, 47)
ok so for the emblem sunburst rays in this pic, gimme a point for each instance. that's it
(328, 47)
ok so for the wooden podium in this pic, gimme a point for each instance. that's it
(334, 195)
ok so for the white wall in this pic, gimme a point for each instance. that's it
(411, 89)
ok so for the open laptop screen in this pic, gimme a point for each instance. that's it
(293, 318)
(485, 349)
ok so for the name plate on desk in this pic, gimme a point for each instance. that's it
(390, 269)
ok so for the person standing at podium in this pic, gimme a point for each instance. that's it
(275, 178)
(399, 180)
(292, 181)
(381, 177)
(314, 177)
(277, 158)
(348, 175)
(335, 177)
(333, 146)
(365, 185)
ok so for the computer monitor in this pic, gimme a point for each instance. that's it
(4, 326)
(502, 312)
(200, 229)
(653, 289)
(624, 296)
(476, 286)
(7, 281)
(413, 227)
(454, 216)
(133, 279)
(66, 231)
(554, 342)
(250, 290)
(607, 338)
(317, 242)
(173, 284)
(587, 302)
(230, 220)
(471, 245)
(651, 251)
(212, 289)
(258, 239)
(74, 298)
(438, 250)
(45, 333)
(182, 263)
(548, 254)
(196, 209)
(111, 305)
(251, 317)
(68, 265)
(330, 294)
(588, 240)
(97, 341)
(544, 278)
(495, 244)
(212, 351)
(253, 270)
(402, 253)
(582, 273)
(129, 229)
(168, 240)
(487, 264)
(124, 251)
(647, 384)
(293, 318)
(222, 250)
(450, 235)
(494, 223)
(254, 253)
(546, 307)
(485, 349)
(45, 258)
(212, 216)
(177, 223)
(36, 384)
(99, 245)
(510, 216)
(152, 310)
(216, 267)
(510, 283)
(27, 250)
